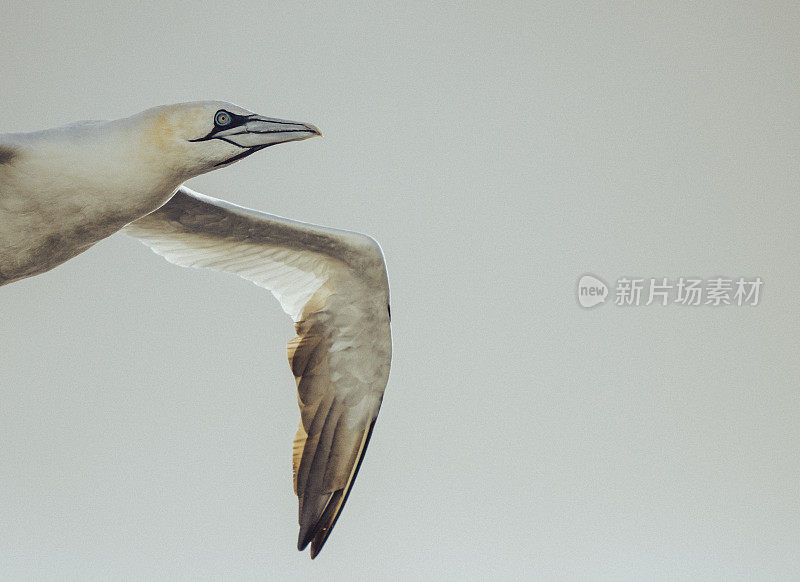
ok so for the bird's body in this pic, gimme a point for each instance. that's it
(62, 190)
(65, 189)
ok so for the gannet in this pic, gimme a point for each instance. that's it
(64, 189)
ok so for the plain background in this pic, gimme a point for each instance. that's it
(497, 151)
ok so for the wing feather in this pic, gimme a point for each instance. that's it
(333, 284)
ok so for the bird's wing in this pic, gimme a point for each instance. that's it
(333, 284)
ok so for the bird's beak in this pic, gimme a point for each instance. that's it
(260, 132)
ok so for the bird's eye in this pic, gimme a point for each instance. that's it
(222, 118)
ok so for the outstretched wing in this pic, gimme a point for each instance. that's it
(333, 284)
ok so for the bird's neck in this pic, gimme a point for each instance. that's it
(85, 181)
(110, 165)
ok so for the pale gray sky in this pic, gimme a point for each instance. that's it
(497, 151)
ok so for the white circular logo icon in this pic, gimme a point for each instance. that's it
(591, 291)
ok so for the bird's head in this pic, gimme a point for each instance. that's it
(195, 138)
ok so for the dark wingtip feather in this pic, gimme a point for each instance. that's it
(304, 539)
(318, 534)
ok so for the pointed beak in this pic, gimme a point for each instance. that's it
(267, 131)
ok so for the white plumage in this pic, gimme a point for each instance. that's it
(63, 190)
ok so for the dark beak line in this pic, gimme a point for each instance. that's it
(248, 151)
(306, 130)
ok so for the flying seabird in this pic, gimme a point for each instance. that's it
(64, 189)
